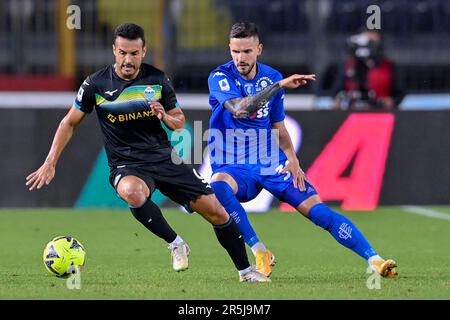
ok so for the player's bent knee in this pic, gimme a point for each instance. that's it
(134, 192)
(225, 177)
(306, 205)
(134, 198)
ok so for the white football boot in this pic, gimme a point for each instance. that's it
(179, 254)
(253, 276)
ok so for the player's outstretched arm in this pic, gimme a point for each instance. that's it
(241, 107)
(45, 174)
(296, 80)
(292, 165)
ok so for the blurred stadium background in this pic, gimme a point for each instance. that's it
(42, 63)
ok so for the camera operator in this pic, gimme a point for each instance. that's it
(367, 82)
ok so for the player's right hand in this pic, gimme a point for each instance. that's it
(296, 80)
(43, 175)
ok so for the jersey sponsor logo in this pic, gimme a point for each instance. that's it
(224, 85)
(111, 118)
(261, 113)
(262, 83)
(111, 92)
(131, 116)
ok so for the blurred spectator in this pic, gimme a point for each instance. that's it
(367, 81)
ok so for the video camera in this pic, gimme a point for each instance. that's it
(362, 47)
(367, 53)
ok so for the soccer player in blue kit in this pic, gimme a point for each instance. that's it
(246, 96)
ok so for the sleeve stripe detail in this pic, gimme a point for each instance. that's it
(77, 105)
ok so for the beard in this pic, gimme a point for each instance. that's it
(247, 70)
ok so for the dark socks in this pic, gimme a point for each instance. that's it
(231, 239)
(150, 215)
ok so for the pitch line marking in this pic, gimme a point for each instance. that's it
(426, 212)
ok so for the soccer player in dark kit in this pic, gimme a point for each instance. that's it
(131, 100)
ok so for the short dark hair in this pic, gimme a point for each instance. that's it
(244, 30)
(129, 31)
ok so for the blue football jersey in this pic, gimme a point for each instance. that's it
(238, 145)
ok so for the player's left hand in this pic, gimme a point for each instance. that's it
(296, 80)
(158, 109)
(298, 176)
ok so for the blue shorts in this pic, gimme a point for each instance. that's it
(250, 182)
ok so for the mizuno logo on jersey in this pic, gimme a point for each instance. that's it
(111, 92)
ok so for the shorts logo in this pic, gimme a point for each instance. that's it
(224, 85)
(116, 180)
(203, 180)
(310, 189)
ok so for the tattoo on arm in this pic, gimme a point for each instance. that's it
(241, 107)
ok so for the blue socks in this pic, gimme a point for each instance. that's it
(228, 200)
(342, 229)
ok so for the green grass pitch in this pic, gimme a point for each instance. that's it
(125, 261)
